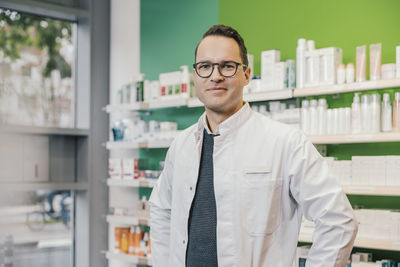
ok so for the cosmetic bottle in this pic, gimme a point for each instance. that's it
(350, 73)
(300, 63)
(313, 117)
(361, 63)
(375, 109)
(341, 74)
(386, 113)
(375, 53)
(396, 112)
(365, 114)
(356, 114)
(347, 128)
(321, 109)
(312, 65)
(305, 116)
(329, 121)
(336, 125)
(140, 88)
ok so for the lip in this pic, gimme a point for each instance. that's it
(216, 89)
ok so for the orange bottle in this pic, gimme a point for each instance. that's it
(132, 235)
(138, 237)
(124, 242)
(149, 245)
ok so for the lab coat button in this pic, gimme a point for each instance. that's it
(191, 188)
(184, 242)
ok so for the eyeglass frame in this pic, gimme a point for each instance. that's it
(219, 68)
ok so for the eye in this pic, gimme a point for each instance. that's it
(228, 66)
(204, 66)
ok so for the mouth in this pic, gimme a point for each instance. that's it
(216, 89)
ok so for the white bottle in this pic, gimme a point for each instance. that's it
(336, 125)
(341, 74)
(300, 63)
(312, 65)
(305, 116)
(365, 114)
(329, 121)
(322, 106)
(375, 108)
(313, 117)
(350, 73)
(347, 129)
(386, 113)
(356, 114)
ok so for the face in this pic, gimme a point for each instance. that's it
(219, 94)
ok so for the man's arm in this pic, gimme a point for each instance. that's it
(160, 212)
(322, 200)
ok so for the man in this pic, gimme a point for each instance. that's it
(236, 184)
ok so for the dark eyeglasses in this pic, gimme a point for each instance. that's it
(227, 69)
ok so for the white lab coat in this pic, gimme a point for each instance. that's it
(267, 175)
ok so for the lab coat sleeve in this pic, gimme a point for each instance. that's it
(160, 212)
(323, 202)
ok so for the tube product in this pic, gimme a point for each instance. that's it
(375, 54)
(341, 74)
(386, 114)
(361, 64)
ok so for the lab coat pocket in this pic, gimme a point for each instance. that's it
(261, 200)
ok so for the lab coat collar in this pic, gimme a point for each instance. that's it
(228, 125)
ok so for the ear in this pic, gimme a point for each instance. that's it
(247, 75)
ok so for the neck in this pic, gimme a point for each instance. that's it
(215, 118)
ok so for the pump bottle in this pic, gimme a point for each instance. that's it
(386, 114)
(356, 115)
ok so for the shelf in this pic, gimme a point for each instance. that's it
(127, 220)
(163, 103)
(162, 143)
(268, 95)
(356, 138)
(128, 258)
(148, 182)
(363, 243)
(372, 190)
(24, 186)
(346, 88)
(17, 129)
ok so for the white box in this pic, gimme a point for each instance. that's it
(376, 167)
(128, 167)
(279, 79)
(114, 168)
(330, 59)
(359, 172)
(268, 60)
(393, 170)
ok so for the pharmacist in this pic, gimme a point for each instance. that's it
(236, 184)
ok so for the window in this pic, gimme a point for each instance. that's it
(36, 70)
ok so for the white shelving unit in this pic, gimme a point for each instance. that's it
(356, 138)
(164, 103)
(363, 243)
(346, 88)
(162, 143)
(268, 95)
(128, 258)
(148, 182)
(127, 220)
(372, 190)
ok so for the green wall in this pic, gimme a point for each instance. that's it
(170, 31)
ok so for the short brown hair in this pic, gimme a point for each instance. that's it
(222, 30)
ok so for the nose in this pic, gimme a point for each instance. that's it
(216, 75)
